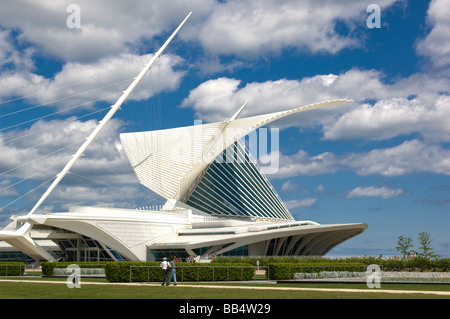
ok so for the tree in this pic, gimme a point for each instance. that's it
(404, 245)
(425, 242)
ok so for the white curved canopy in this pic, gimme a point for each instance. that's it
(169, 161)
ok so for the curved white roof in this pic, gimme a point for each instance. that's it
(170, 161)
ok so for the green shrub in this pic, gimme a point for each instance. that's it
(284, 271)
(264, 261)
(12, 268)
(443, 264)
(150, 271)
(418, 263)
(120, 271)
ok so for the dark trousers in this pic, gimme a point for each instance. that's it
(165, 277)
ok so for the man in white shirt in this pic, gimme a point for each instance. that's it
(164, 266)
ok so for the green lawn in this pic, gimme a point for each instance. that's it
(42, 290)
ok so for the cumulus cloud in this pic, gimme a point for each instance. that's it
(288, 186)
(7, 189)
(262, 26)
(243, 28)
(80, 84)
(392, 117)
(297, 203)
(435, 45)
(10, 55)
(123, 196)
(52, 143)
(38, 153)
(301, 163)
(412, 156)
(372, 191)
(97, 61)
(413, 104)
(107, 29)
(409, 157)
(217, 99)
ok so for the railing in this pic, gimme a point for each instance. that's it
(180, 271)
(94, 270)
(84, 272)
(299, 269)
(352, 273)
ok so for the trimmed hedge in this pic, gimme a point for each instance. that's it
(151, 271)
(48, 267)
(264, 261)
(418, 263)
(284, 271)
(413, 264)
(12, 268)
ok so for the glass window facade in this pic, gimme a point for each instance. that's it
(86, 249)
(234, 185)
(239, 251)
(159, 254)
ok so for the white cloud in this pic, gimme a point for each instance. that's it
(407, 105)
(320, 188)
(217, 99)
(123, 196)
(297, 203)
(254, 27)
(7, 190)
(98, 61)
(10, 55)
(288, 186)
(409, 157)
(372, 191)
(102, 177)
(257, 27)
(47, 146)
(435, 45)
(84, 83)
(392, 117)
(107, 28)
(303, 164)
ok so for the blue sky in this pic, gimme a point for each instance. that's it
(383, 160)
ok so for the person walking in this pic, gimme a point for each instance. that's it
(172, 273)
(165, 267)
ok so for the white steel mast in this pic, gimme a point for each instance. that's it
(106, 119)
